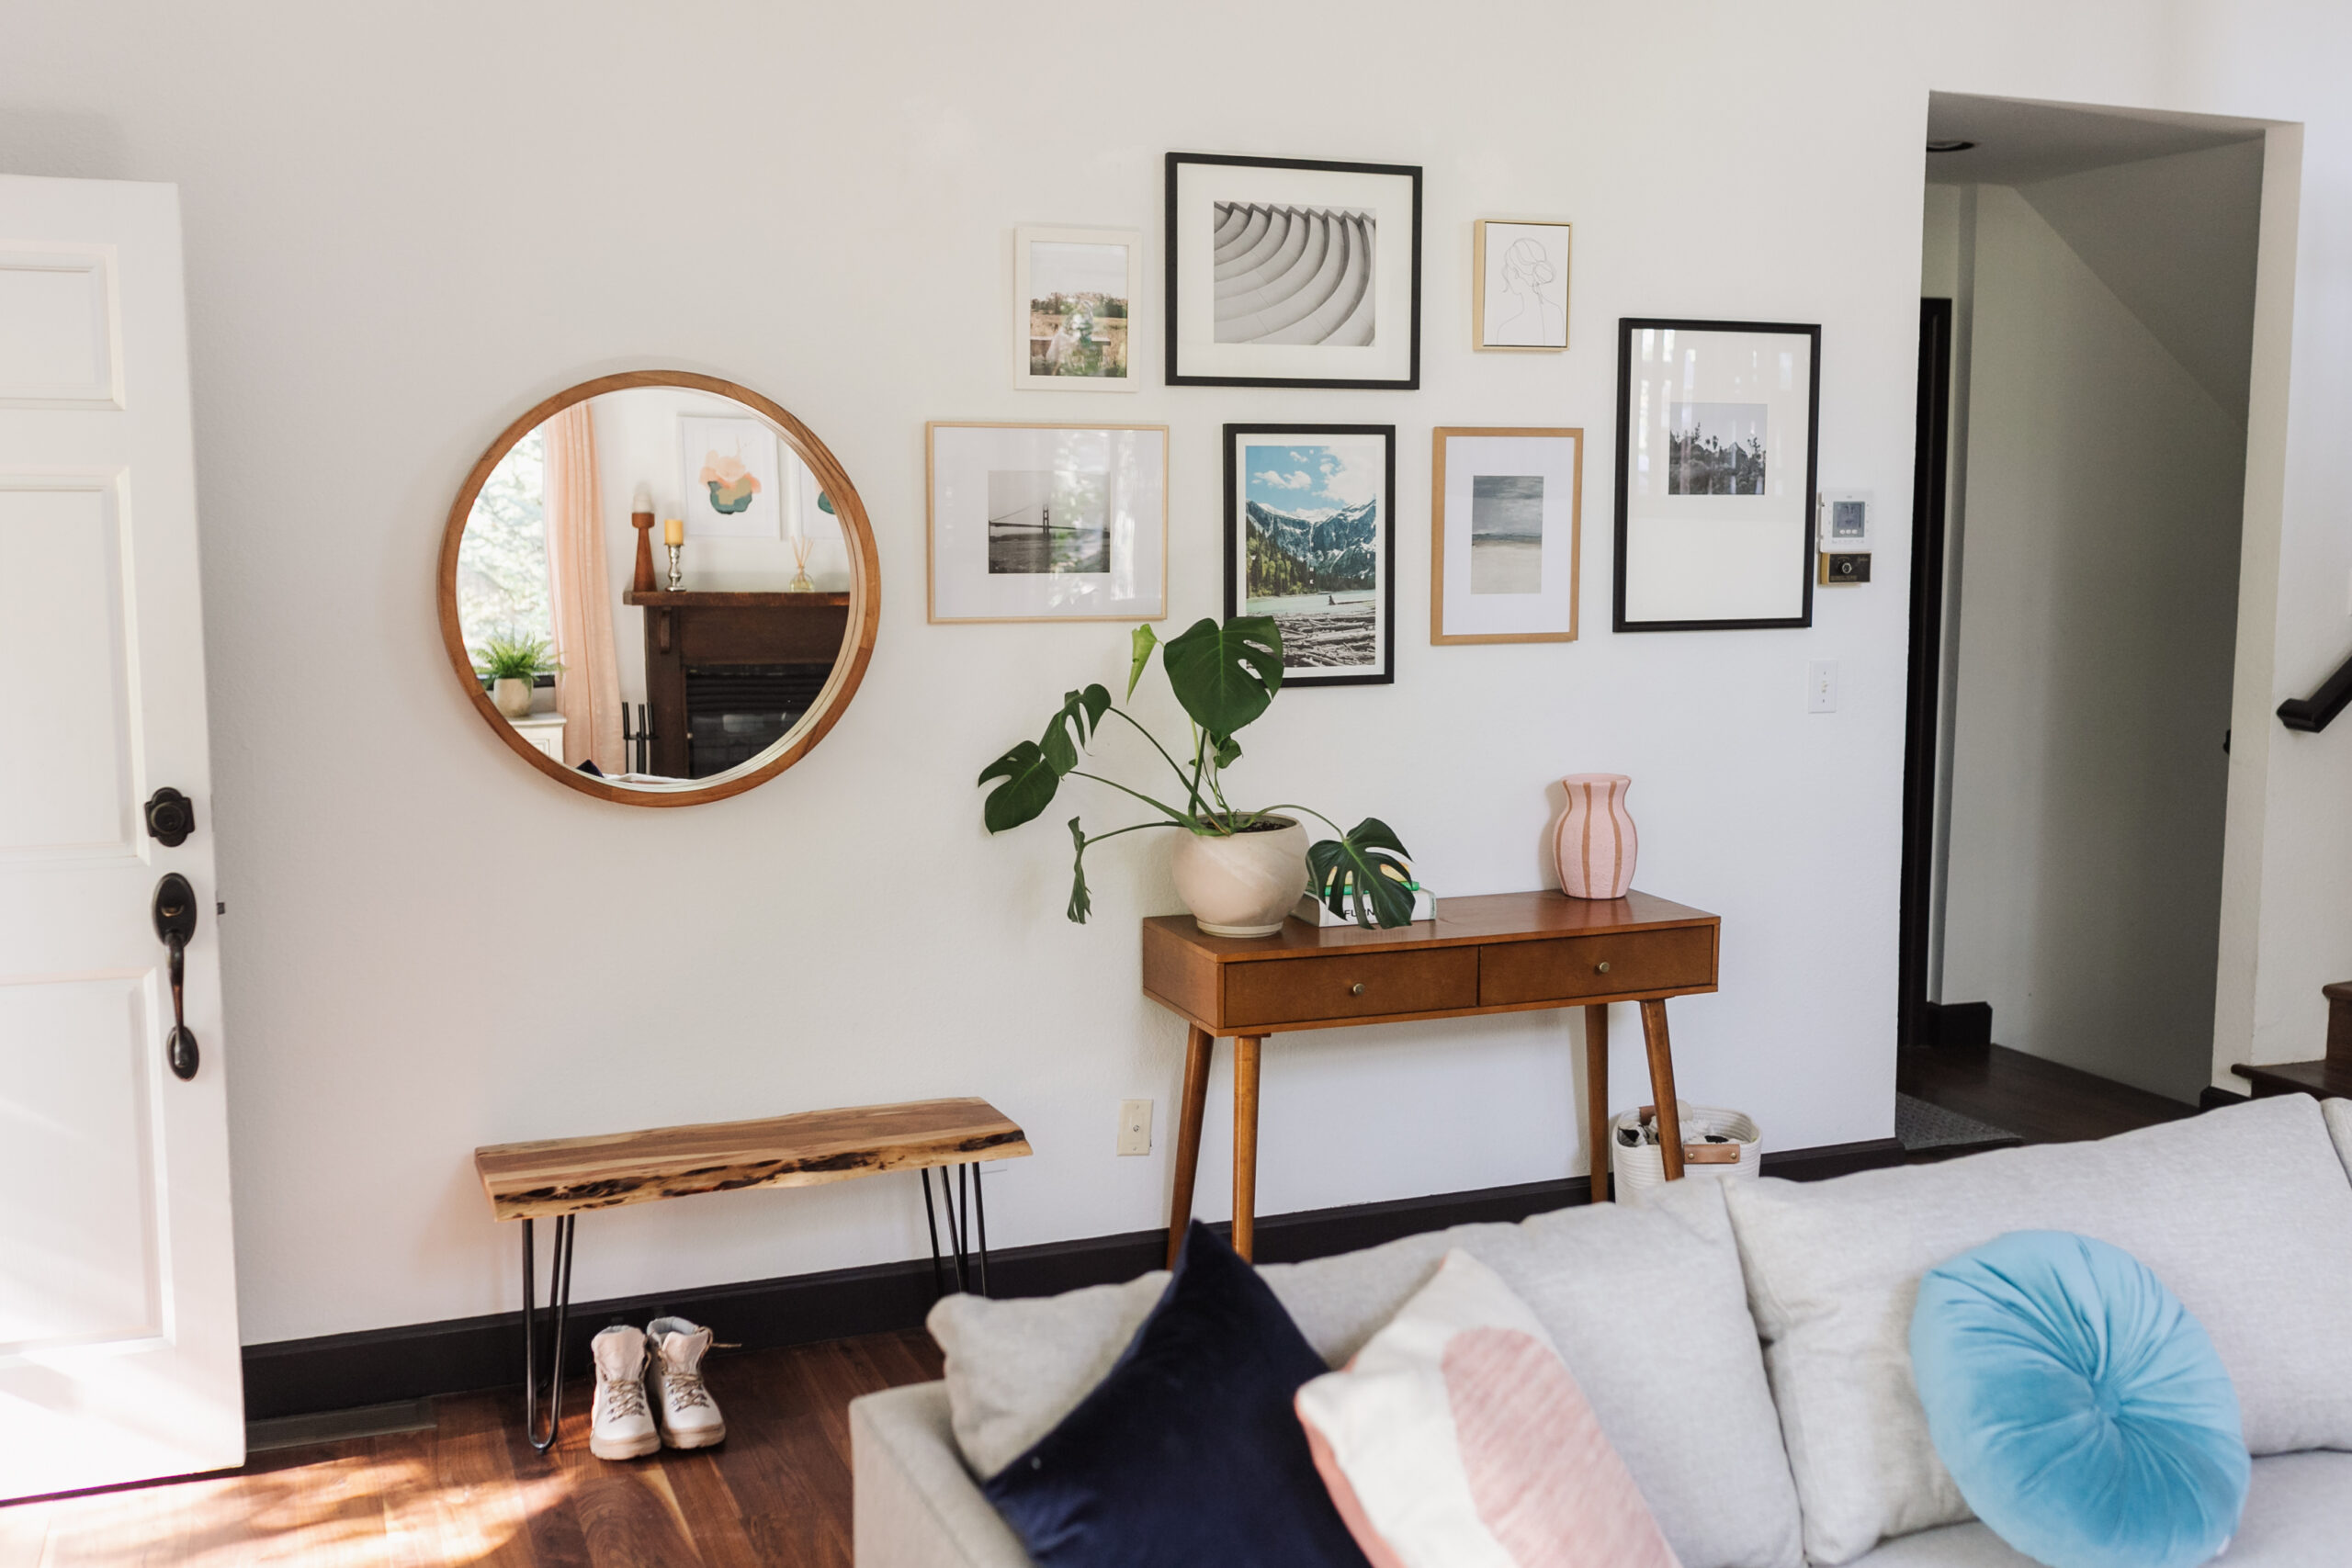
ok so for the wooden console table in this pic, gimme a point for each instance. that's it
(1501, 952)
(560, 1178)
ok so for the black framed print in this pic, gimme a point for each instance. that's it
(1310, 539)
(1717, 451)
(1285, 272)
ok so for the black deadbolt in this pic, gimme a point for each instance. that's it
(171, 818)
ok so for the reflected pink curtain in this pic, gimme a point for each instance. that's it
(588, 691)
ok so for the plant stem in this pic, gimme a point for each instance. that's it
(1094, 839)
(1179, 816)
(1310, 810)
(1176, 767)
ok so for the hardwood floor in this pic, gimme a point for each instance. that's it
(2041, 1101)
(775, 1495)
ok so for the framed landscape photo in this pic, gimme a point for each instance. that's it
(1310, 539)
(1047, 522)
(1283, 272)
(1074, 293)
(1716, 457)
(1506, 532)
(1518, 272)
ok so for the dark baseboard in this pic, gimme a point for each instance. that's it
(1959, 1026)
(341, 1371)
(2214, 1098)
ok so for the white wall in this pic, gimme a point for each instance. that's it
(2098, 606)
(406, 226)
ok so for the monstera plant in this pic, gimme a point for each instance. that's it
(1224, 678)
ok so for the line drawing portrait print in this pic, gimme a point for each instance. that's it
(1523, 305)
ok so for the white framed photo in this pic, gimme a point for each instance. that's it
(729, 477)
(1717, 462)
(1074, 293)
(1285, 272)
(1520, 285)
(1047, 522)
(1506, 535)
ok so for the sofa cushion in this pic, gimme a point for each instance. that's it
(2246, 1213)
(1188, 1451)
(1457, 1439)
(1647, 1305)
(2298, 1515)
(2079, 1407)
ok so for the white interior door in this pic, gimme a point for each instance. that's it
(119, 1357)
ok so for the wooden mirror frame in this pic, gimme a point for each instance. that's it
(864, 592)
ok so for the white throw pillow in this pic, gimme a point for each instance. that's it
(1647, 1304)
(2245, 1212)
(1458, 1439)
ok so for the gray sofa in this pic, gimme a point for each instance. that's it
(1743, 1345)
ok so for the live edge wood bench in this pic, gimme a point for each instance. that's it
(562, 1178)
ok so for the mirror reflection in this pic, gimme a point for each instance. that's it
(653, 588)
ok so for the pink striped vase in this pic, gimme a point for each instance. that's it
(1595, 841)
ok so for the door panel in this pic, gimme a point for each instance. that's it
(119, 1345)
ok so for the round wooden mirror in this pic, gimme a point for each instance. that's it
(658, 588)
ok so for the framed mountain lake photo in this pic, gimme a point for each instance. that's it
(1310, 539)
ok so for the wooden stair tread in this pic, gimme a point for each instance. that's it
(2327, 1079)
(563, 1176)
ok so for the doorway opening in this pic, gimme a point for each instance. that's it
(2086, 332)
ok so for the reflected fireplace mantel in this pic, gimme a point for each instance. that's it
(721, 630)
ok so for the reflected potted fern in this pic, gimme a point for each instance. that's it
(513, 664)
(1239, 870)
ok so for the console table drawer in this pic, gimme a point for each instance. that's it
(1677, 959)
(1302, 990)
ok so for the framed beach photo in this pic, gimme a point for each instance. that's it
(1074, 293)
(1717, 448)
(1310, 539)
(1283, 272)
(1047, 522)
(727, 475)
(1506, 533)
(1519, 271)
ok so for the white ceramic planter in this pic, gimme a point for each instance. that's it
(1243, 885)
(512, 696)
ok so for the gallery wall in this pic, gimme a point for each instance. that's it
(404, 228)
(2097, 625)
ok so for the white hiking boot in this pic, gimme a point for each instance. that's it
(689, 1416)
(619, 1424)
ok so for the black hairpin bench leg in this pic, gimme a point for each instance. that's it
(964, 1205)
(560, 1302)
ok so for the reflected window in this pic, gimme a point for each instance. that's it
(502, 560)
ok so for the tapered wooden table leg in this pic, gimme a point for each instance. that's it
(1669, 1114)
(1188, 1135)
(1596, 1090)
(1245, 1144)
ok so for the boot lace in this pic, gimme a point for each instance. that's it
(624, 1397)
(684, 1391)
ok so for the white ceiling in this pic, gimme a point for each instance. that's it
(2020, 142)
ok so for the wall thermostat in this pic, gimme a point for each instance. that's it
(1845, 522)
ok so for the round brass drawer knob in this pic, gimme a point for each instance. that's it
(1601, 967)
(1356, 990)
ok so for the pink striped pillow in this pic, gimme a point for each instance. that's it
(1457, 1439)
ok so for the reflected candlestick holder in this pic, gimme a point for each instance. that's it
(677, 573)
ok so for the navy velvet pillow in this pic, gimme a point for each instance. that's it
(1189, 1452)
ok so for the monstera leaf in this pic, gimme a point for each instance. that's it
(1364, 875)
(1073, 727)
(1226, 675)
(1144, 641)
(1081, 902)
(1030, 780)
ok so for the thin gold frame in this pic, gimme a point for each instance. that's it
(1438, 439)
(1478, 289)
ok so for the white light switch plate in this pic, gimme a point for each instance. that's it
(1134, 1126)
(1821, 686)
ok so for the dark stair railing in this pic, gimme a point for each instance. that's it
(2314, 713)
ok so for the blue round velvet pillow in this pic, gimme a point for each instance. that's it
(2080, 1407)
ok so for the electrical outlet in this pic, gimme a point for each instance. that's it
(1134, 1126)
(1821, 686)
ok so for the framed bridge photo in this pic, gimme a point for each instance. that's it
(1285, 272)
(1310, 538)
(1717, 459)
(1047, 522)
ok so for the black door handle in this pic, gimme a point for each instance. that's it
(171, 818)
(175, 924)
